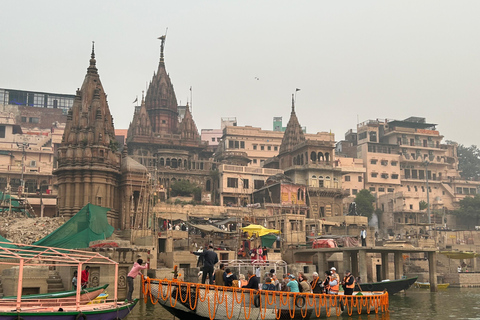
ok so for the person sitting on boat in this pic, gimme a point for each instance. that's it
(276, 282)
(229, 277)
(326, 282)
(348, 283)
(218, 276)
(316, 284)
(242, 282)
(134, 272)
(84, 277)
(334, 281)
(303, 283)
(74, 280)
(283, 283)
(268, 285)
(253, 281)
(292, 284)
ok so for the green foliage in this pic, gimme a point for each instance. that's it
(364, 201)
(423, 205)
(469, 211)
(184, 188)
(114, 145)
(469, 161)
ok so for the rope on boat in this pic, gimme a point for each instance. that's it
(176, 290)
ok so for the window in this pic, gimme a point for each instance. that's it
(414, 174)
(384, 175)
(230, 144)
(232, 182)
(213, 139)
(2, 131)
(407, 173)
(390, 189)
(24, 119)
(254, 147)
(415, 187)
(275, 148)
(242, 144)
(374, 174)
(411, 207)
(362, 135)
(163, 121)
(381, 189)
(384, 162)
(237, 144)
(354, 191)
(360, 178)
(373, 136)
(245, 183)
(347, 178)
(254, 160)
(262, 147)
(257, 184)
(372, 189)
(373, 161)
(394, 176)
(421, 174)
(393, 163)
(269, 148)
(33, 120)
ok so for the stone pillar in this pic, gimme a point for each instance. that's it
(385, 265)
(398, 264)
(432, 269)
(322, 263)
(346, 261)
(362, 264)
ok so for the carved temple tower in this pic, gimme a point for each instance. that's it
(88, 158)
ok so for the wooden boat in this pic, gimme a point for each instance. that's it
(392, 286)
(426, 285)
(57, 308)
(196, 301)
(86, 295)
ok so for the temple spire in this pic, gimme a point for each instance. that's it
(162, 46)
(293, 104)
(92, 69)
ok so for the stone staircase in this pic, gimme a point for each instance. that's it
(54, 282)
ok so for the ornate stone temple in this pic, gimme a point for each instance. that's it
(90, 166)
(168, 146)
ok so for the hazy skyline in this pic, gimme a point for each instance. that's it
(352, 60)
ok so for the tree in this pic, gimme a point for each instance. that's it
(184, 188)
(364, 201)
(468, 160)
(469, 212)
(423, 205)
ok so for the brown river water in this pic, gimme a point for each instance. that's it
(451, 303)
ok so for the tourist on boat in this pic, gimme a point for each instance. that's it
(134, 272)
(268, 285)
(292, 284)
(84, 277)
(74, 280)
(218, 278)
(316, 284)
(348, 283)
(283, 283)
(276, 282)
(253, 281)
(334, 281)
(363, 237)
(242, 282)
(210, 258)
(304, 286)
(229, 277)
(326, 281)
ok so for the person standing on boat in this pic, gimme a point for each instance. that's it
(363, 236)
(316, 284)
(84, 277)
(292, 284)
(334, 281)
(210, 258)
(326, 282)
(74, 280)
(136, 270)
(303, 282)
(348, 283)
(253, 281)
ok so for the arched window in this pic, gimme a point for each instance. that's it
(314, 177)
(327, 178)
(306, 157)
(174, 163)
(301, 159)
(208, 185)
(162, 162)
(167, 163)
(327, 156)
(294, 161)
(320, 157)
(185, 163)
(313, 156)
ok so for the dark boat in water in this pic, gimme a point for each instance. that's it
(392, 286)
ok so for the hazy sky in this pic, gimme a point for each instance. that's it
(353, 60)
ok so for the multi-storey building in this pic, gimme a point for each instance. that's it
(36, 99)
(403, 157)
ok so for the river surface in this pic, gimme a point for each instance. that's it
(451, 303)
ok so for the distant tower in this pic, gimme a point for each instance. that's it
(88, 160)
(160, 101)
